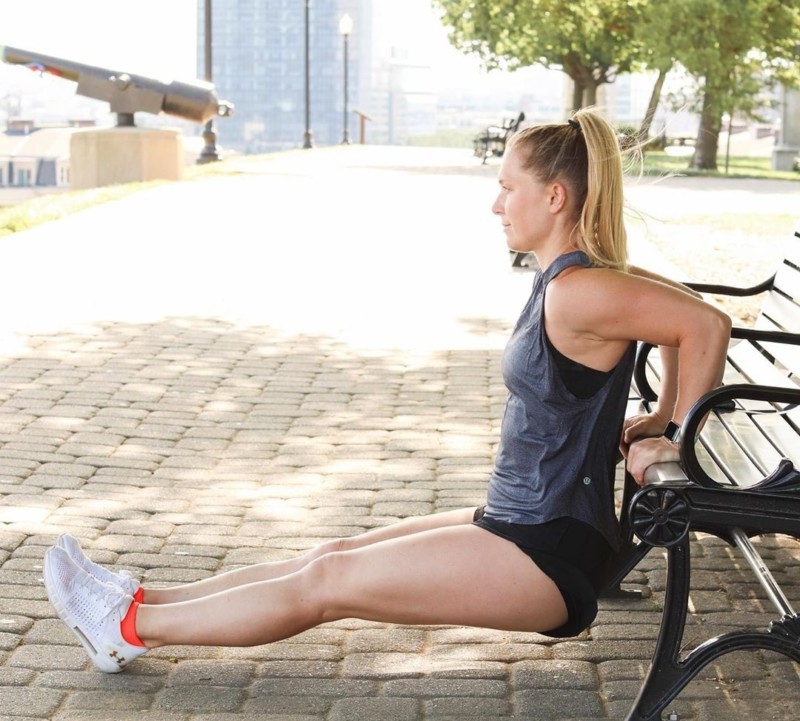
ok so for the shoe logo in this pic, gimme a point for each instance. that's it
(119, 660)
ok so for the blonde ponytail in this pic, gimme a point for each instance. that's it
(601, 226)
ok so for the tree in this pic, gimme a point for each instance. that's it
(732, 49)
(591, 41)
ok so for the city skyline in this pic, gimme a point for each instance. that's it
(174, 51)
(172, 41)
(403, 38)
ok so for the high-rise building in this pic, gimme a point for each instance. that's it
(259, 63)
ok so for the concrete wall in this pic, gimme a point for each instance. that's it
(111, 156)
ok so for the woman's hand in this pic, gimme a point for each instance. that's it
(645, 425)
(646, 452)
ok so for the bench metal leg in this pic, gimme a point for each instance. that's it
(630, 554)
(667, 677)
(668, 674)
(624, 563)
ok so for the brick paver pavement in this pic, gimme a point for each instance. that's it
(214, 373)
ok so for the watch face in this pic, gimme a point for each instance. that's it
(672, 431)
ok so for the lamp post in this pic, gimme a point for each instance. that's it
(308, 138)
(209, 153)
(345, 28)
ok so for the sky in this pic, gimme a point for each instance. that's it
(110, 33)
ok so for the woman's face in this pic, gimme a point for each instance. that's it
(522, 204)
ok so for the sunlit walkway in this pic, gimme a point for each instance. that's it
(217, 372)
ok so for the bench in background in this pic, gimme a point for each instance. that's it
(492, 140)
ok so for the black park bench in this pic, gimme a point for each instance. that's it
(737, 479)
(492, 140)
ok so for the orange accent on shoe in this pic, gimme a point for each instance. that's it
(139, 595)
(128, 626)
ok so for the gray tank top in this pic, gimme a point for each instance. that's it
(557, 452)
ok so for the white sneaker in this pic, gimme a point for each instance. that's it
(92, 609)
(123, 579)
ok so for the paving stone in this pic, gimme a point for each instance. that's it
(432, 688)
(386, 709)
(29, 703)
(205, 697)
(552, 704)
(554, 674)
(232, 673)
(48, 657)
(108, 699)
(474, 707)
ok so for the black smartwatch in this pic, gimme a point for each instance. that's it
(672, 432)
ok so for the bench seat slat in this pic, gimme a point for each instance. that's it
(757, 446)
(727, 455)
(782, 434)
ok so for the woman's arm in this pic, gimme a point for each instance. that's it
(591, 312)
(653, 423)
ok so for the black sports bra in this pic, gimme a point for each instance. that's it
(580, 380)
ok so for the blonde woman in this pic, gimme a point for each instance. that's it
(533, 557)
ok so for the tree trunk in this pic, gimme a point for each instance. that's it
(707, 142)
(590, 95)
(577, 95)
(652, 106)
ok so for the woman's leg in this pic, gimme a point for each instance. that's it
(460, 574)
(272, 570)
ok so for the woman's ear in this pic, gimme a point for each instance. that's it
(558, 197)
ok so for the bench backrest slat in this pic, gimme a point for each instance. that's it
(787, 281)
(792, 251)
(755, 367)
(782, 311)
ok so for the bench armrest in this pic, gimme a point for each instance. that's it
(732, 289)
(766, 336)
(716, 398)
(646, 390)
(640, 373)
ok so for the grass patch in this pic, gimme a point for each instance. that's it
(52, 206)
(44, 208)
(56, 205)
(753, 225)
(661, 163)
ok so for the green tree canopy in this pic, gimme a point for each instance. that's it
(732, 49)
(591, 40)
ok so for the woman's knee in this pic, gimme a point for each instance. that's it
(335, 545)
(325, 580)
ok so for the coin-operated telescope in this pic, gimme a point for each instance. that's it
(127, 93)
(126, 153)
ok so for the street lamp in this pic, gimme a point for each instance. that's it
(308, 138)
(209, 153)
(345, 28)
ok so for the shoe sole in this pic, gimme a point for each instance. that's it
(101, 661)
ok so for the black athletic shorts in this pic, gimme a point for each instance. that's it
(572, 553)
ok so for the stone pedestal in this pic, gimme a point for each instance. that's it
(789, 146)
(110, 156)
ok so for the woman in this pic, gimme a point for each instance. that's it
(533, 558)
